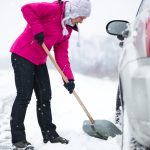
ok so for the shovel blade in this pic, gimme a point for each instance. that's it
(101, 129)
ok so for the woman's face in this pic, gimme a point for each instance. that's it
(77, 20)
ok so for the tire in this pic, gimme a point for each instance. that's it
(134, 145)
(119, 106)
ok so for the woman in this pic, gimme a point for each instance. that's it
(51, 23)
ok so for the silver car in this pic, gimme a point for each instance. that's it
(133, 94)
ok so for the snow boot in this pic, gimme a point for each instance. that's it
(134, 145)
(55, 138)
(22, 145)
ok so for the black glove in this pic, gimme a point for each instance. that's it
(70, 86)
(39, 37)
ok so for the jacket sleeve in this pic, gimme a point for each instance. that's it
(62, 59)
(33, 13)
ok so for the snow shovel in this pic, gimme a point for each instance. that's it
(96, 128)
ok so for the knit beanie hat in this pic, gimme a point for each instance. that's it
(80, 8)
(73, 9)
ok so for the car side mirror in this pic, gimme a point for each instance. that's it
(118, 28)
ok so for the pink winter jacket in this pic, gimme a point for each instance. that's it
(44, 17)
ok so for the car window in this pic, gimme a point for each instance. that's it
(145, 4)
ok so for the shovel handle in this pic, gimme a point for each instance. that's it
(66, 80)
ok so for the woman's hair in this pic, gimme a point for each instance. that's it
(60, 1)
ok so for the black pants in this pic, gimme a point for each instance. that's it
(28, 77)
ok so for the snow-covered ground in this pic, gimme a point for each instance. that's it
(97, 94)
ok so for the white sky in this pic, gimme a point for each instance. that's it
(12, 22)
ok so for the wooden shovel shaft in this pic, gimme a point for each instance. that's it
(66, 80)
(83, 107)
